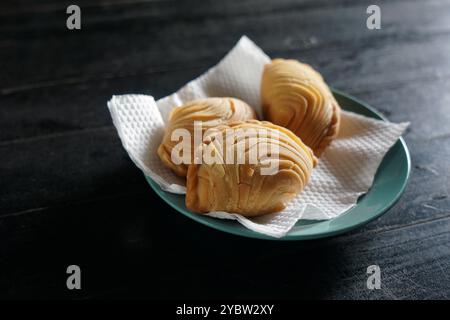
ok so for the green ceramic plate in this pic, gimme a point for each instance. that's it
(389, 183)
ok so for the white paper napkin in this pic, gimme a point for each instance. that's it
(345, 171)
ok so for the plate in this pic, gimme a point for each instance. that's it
(389, 183)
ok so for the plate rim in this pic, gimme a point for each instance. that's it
(255, 235)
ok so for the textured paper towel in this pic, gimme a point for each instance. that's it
(345, 171)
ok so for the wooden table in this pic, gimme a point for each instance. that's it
(69, 194)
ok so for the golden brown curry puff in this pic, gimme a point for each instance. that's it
(240, 185)
(295, 96)
(211, 112)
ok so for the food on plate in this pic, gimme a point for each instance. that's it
(274, 168)
(209, 113)
(296, 97)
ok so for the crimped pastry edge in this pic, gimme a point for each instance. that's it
(191, 198)
(333, 130)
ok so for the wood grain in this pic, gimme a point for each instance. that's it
(68, 191)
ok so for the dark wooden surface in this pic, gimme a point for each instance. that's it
(70, 195)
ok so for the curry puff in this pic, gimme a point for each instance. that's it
(234, 183)
(295, 96)
(211, 112)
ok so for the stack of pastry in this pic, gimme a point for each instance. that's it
(302, 118)
(211, 112)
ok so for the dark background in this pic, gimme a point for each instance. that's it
(70, 195)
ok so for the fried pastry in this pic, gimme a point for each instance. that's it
(239, 185)
(295, 96)
(211, 112)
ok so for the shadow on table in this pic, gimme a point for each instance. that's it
(138, 247)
